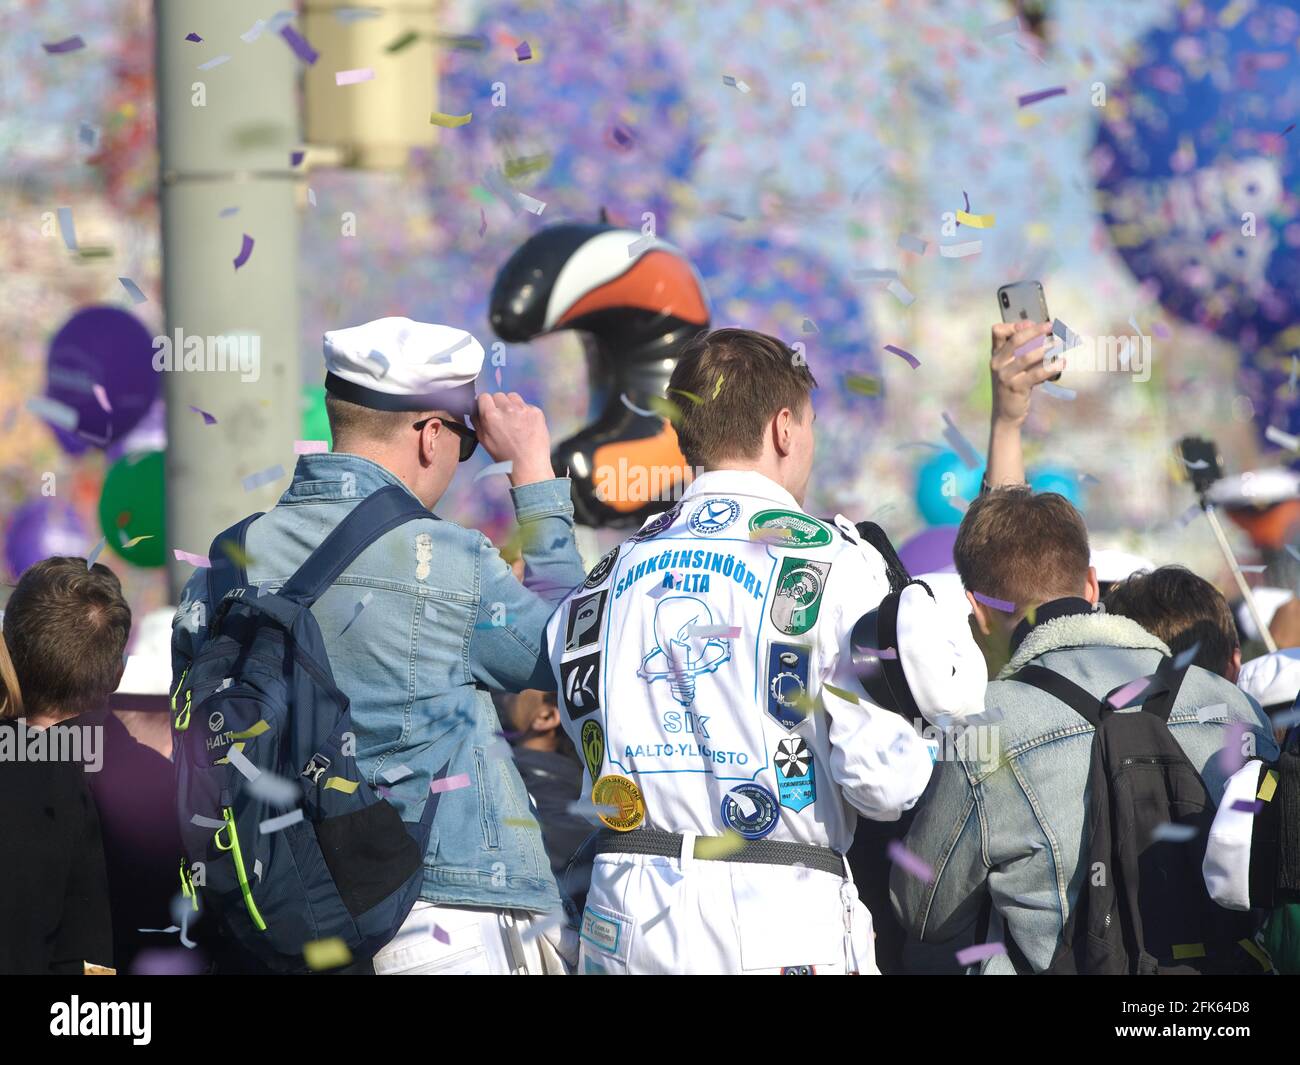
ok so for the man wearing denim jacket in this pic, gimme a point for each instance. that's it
(424, 622)
(1003, 834)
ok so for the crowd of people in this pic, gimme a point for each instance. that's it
(745, 741)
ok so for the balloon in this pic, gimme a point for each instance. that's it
(929, 551)
(315, 422)
(594, 120)
(150, 434)
(101, 365)
(1063, 480)
(636, 310)
(1196, 169)
(782, 288)
(41, 528)
(132, 506)
(941, 479)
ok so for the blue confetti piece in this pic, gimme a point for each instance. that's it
(68, 228)
(133, 290)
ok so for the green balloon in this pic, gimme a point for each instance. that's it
(315, 422)
(133, 504)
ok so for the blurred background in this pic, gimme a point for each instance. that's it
(784, 147)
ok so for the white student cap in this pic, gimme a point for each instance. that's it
(396, 364)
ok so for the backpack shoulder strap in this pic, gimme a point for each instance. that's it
(1161, 704)
(227, 572)
(1082, 702)
(377, 514)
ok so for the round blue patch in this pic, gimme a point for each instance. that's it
(759, 822)
(713, 515)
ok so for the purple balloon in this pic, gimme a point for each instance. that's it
(149, 435)
(42, 528)
(108, 347)
(929, 551)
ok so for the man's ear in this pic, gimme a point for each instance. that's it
(430, 436)
(1234, 666)
(1093, 591)
(781, 431)
(980, 615)
(118, 679)
(548, 717)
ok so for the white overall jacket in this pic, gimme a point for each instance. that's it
(698, 660)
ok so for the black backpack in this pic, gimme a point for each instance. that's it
(1143, 908)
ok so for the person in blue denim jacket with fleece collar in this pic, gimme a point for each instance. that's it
(444, 620)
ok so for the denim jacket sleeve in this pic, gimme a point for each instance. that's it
(508, 643)
(947, 834)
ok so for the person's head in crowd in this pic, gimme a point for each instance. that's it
(404, 410)
(532, 719)
(1273, 681)
(1016, 550)
(1184, 611)
(746, 404)
(66, 628)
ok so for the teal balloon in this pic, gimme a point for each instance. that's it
(942, 479)
(1063, 480)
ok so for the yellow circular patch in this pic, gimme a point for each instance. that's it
(619, 792)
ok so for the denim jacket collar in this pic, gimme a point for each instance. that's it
(741, 483)
(336, 475)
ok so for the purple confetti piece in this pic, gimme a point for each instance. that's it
(68, 44)
(996, 604)
(201, 561)
(1160, 330)
(244, 252)
(310, 447)
(482, 226)
(979, 952)
(1030, 345)
(301, 48)
(441, 936)
(909, 862)
(194, 37)
(101, 397)
(1248, 806)
(1230, 755)
(523, 53)
(460, 780)
(1042, 94)
(133, 290)
(1126, 695)
(906, 356)
(208, 419)
(296, 157)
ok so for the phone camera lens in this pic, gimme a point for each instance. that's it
(1006, 300)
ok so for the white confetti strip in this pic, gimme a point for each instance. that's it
(492, 470)
(734, 83)
(270, 475)
(900, 292)
(1172, 833)
(354, 77)
(214, 62)
(961, 251)
(54, 412)
(1281, 439)
(275, 824)
(206, 822)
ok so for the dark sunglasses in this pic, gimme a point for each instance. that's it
(468, 438)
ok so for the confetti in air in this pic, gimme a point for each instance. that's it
(269, 475)
(979, 952)
(961, 251)
(310, 447)
(909, 862)
(216, 62)
(1173, 833)
(437, 118)
(69, 44)
(997, 604)
(975, 221)
(276, 824)
(94, 555)
(913, 244)
(67, 228)
(460, 780)
(244, 252)
(354, 77)
(1043, 94)
(208, 419)
(906, 356)
(734, 83)
(133, 290)
(201, 561)
(299, 44)
(361, 605)
(523, 53)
